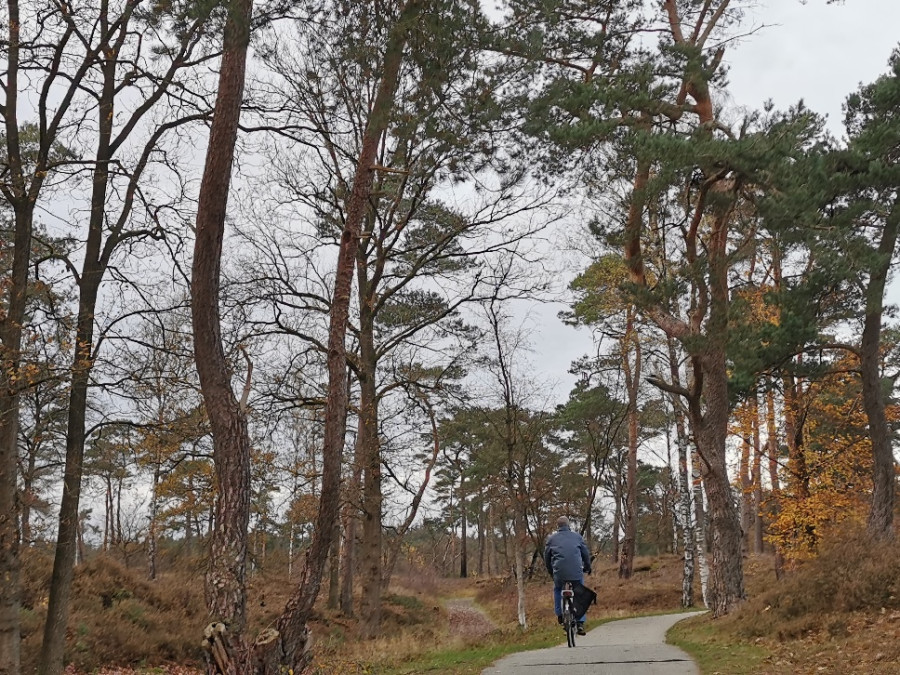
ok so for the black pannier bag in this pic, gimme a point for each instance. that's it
(584, 598)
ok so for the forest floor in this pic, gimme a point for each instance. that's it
(837, 614)
(466, 620)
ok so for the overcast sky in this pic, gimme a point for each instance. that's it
(814, 51)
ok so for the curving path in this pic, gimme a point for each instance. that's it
(627, 647)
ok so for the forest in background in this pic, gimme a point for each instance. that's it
(320, 359)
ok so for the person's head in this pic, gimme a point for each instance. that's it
(562, 522)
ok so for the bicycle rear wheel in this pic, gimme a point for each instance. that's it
(570, 624)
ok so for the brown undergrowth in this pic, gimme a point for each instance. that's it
(837, 614)
(117, 616)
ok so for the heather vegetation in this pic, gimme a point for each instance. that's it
(836, 614)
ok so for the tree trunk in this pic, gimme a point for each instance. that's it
(617, 515)
(798, 470)
(772, 451)
(756, 478)
(348, 565)
(881, 514)
(154, 515)
(290, 649)
(493, 561)
(520, 537)
(726, 587)
(227, 567)
(61, 580)
(334, 568)
(481, 541)
(107, 513)
(291, 550)
(726, 579)
(370, 547)
(52, 651)
(632, 381)
(509, 548)
(744, 475)
(10, 589)
(682, 441)
(464, 548)
(79, 546)
(11, 336)
(28, 496)
(120, 536)
(350, 517)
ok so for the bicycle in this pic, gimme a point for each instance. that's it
(570, 620)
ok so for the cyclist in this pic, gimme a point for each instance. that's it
(567, 558)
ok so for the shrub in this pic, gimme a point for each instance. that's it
(852, 573)
(117, 616)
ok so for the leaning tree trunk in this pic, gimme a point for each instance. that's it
(286, 647)
(226, 573)
(403, 528)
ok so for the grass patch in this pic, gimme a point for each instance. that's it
(716, 651)
(472, 659)
(406, 601)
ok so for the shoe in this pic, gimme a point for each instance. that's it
(559, 619)
(581, 630)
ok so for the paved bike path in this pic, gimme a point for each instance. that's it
(626, 647)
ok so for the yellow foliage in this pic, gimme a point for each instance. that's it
(838, 462)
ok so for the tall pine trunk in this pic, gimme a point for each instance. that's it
(226, 573)
(726, 582)
(881, 513)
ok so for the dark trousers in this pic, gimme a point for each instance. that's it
(557, 595)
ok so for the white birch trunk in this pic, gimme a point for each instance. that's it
(700, 525)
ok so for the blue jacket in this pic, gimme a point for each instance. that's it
(566, 555)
